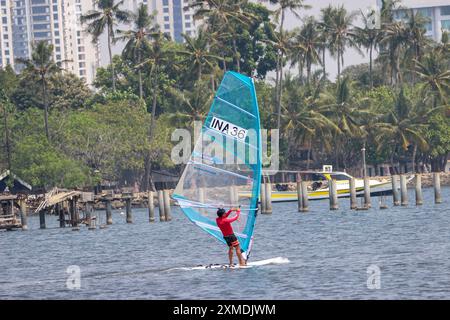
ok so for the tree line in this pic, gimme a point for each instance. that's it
(59, 132)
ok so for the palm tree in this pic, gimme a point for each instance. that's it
(107, 16)
(340, 33)
(326, 14)
(368, 37)
(196, 53)
(193, 105)
(42, 66)
(282, 42)
(222, 18)
(156, 57)
(346, 111)
(305, 45)
(402, 125)
(416, 38)
(435, 76)
(138, 40)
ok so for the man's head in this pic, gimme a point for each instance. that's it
(220, 212)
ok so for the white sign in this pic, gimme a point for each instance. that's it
(228, 129)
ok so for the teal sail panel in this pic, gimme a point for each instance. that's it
(224, 169)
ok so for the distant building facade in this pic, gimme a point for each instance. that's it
(25, 22)
(438, 12)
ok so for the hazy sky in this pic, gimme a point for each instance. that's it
(350, 57)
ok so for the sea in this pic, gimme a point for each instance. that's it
(401, 252)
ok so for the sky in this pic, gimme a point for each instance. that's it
(350, 57)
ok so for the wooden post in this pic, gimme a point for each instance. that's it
(151, 207)
(74, 214)
(299, 196)
(418, 185)
(268, 198)
(162, 216)
(23, 214)
(352, 187)
(383, 204)
(167, 212)
(263, 198)
(403, 190)
(92, 222)
(201, 199)
(128, 209)
(332, 189)
(42, 218)
(62, 218)
(108, 211)
(395, 187)
(367, 201)
(437, 187)
(305, 196)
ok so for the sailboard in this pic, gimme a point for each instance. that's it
(225, 162)
(260, 263)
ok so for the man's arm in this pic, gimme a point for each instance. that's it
(228, 213)
(238, 211)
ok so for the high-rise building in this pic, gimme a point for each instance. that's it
(437, 11)
(25, 22)
(173, 18)
(6, 34)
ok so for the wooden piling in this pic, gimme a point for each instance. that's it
(233, 200)
(352, 187)
(128, 210)
(395, 193)
(108, 211)
(403, 190)
(151, 207)
(383, 204)
(23, 214)
(167, 212)
(42, 219)
(62, 218)
(332, 189)
(268, 198)
(437, 187)
(162, 216)
(74, 214)
(305, 196)
(418, 187)
(367, 200)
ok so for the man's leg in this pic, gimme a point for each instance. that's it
(230, 255)
(242, 262)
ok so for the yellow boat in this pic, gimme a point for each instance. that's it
(318, 186)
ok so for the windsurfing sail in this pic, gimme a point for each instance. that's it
(225, 162)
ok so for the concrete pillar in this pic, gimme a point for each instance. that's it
(367, 201)
(395, 192)
(437, 187)
(268, 198)
(167, 212)
(23, 214)
(162, 216)
(305, 196)
(151, 207)
(263, 197)
(299, 196)
(332, 190)
(403, 190)
(418, 187)
(352, 187)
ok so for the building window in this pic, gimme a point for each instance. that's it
(445, 24)
(166, 18)
(166, 10)
(187, 24)
(445, 11)
(165, 2)
(167, 26)
(82, 72)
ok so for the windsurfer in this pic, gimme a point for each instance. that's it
(224, 223)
